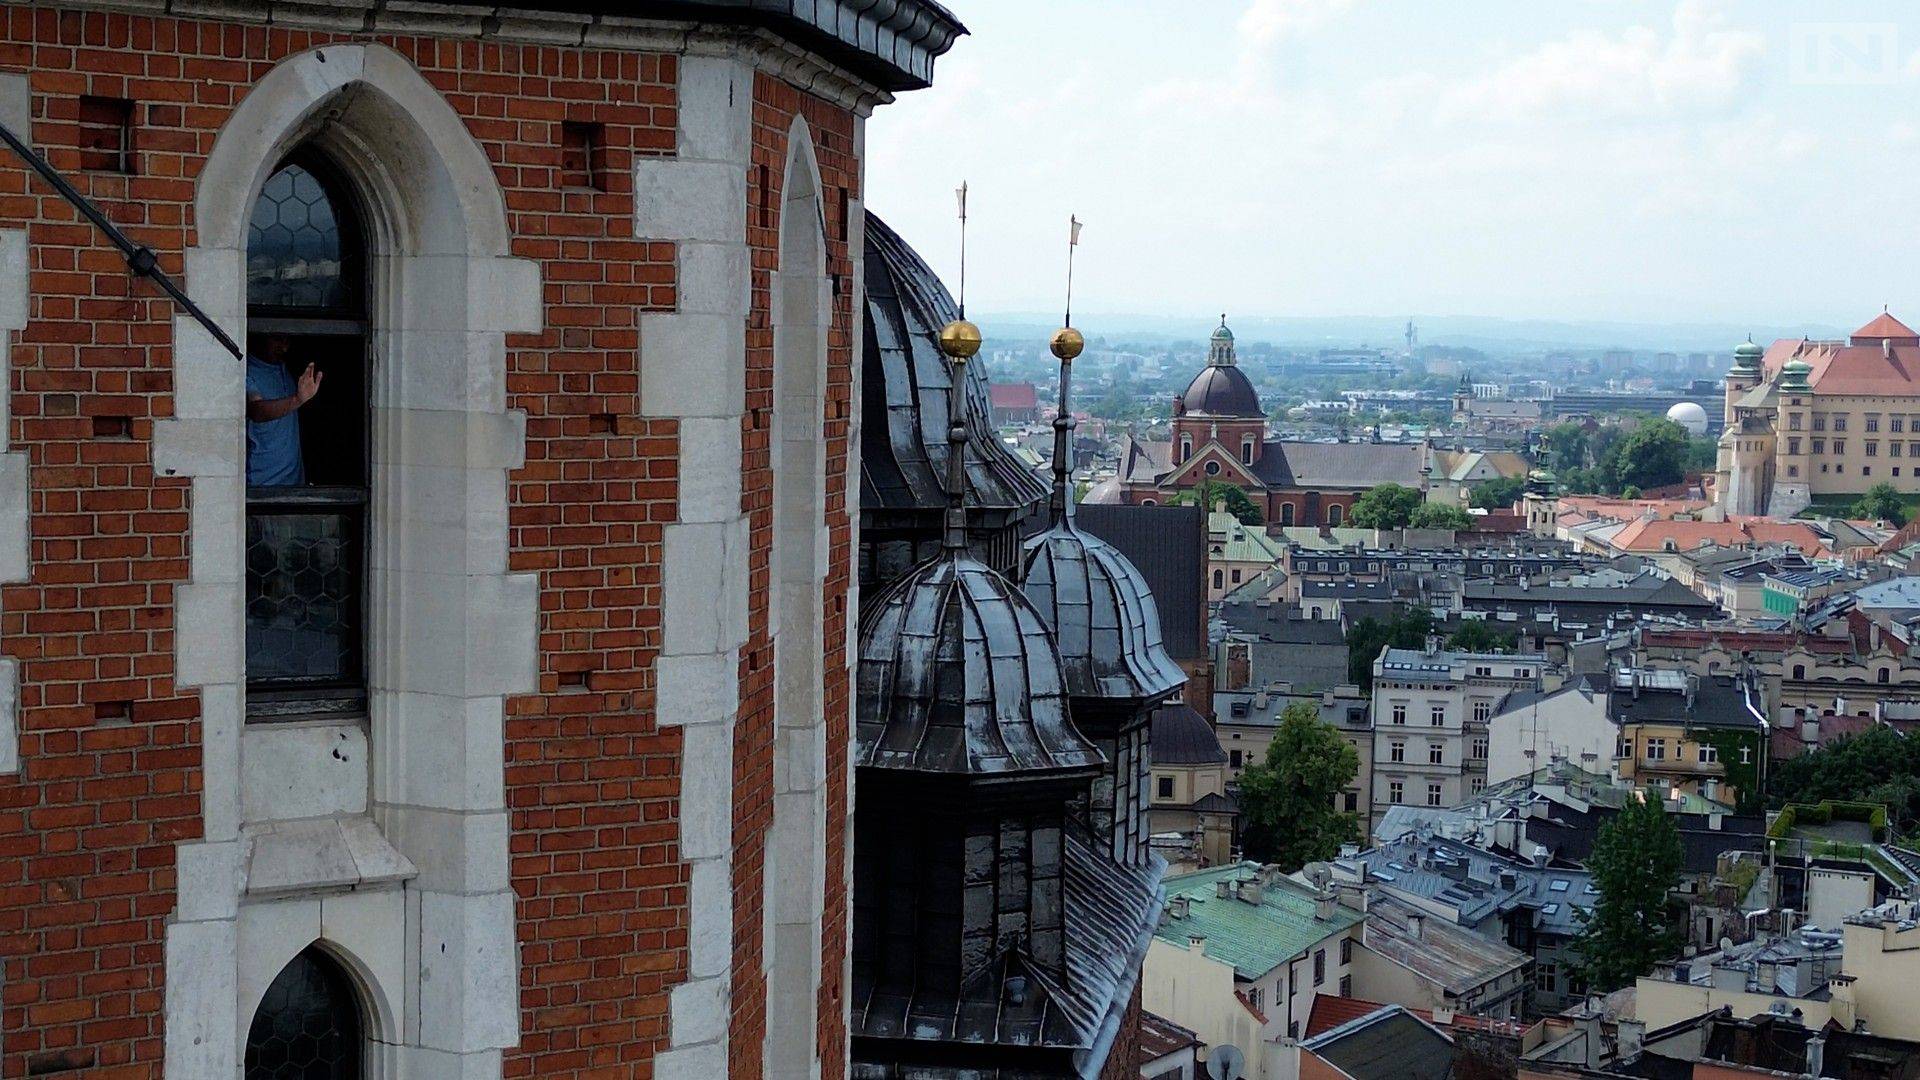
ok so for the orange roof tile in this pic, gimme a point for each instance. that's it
(1653, 534)
(1882, 327)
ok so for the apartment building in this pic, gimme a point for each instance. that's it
(1430, 714)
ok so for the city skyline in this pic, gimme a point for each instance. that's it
(1640, 163)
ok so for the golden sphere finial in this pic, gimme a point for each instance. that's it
(960, 340)
(1067, 343)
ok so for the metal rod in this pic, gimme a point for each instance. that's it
(140, 258)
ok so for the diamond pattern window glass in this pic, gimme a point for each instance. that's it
(308, 1024)
(296, 256)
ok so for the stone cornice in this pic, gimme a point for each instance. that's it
(771, 52)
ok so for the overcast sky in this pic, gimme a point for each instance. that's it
(1698, 162)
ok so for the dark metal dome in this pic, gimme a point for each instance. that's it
(958, 675)
(1222, 390)
(903, 433)
(1102, 614)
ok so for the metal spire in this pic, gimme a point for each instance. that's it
(959, 341)
(1067, 343)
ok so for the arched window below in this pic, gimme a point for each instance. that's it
(1246, 451)
(1333, 513)
(1799, 671)
(1186, 448)
(1219, 579)
(1883, 675)
(308, 1025)
(1149, 502)
(1286, 513)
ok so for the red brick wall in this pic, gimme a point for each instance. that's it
(775, 106)
(111, 749)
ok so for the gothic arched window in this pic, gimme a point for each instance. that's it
(307, 459)
(308, 1025)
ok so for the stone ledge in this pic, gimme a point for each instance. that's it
(320, 855)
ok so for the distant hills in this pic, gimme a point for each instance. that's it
(1491, 335)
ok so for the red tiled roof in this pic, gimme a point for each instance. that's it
(1882, 327)
(1652, 534)
(1014, 395)
(1331, 1010)
(1160, 1036)
(1498, 521)
(1744, 640)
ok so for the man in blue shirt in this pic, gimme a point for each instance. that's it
(274, 398)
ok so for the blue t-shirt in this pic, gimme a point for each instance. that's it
(273, 446)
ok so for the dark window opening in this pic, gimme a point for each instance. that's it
(307, 445)
(106, 134)
(308, 1024)
(583, 155)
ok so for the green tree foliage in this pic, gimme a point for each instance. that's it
(1233, 497)
(1653, 455)
(1878, 765)
(1635, 861)
(1437, 516)
(1881, 501)
(1405, 630)
(1567, 446)
(1388, 506)
(1480, 636)
(1703, 454)
(1288, 803)
(1496, 494)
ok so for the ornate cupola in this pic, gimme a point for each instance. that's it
(1746, 358)
(991, 929)
(1107, 628)
(1222, 389)
(1793, 377)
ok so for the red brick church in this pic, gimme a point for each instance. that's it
(1220, 435)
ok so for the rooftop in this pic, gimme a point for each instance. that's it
(1253, 936)
(1436, 950)
(1390, 1043)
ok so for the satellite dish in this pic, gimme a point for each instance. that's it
(1225, 1062)
(1725, 943)
(1319, 873)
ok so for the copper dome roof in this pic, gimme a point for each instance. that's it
(1222, 390)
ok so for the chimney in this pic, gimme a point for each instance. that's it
(1223, 888)
(1250, 891)
(1323, 904)
(1196, 942)
(1816, 1056)
(1416, 926)
(1177, 907)
(1596, 1050)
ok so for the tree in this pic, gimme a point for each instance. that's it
(1881, 502)
(1233, 497)
(1388, 506)
(1287, 802)
(1437, 516)
(1567, 446)
(1405, 630)
(1496, 494)
(1480, 636)
(1653, 455)
(1635, 861)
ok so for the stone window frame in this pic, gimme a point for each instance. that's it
(429, 808)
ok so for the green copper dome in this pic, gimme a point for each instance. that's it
(1793, 375)
(1746, 356)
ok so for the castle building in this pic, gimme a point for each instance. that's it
(517, 740)
(1814, 420)
(1220, 436)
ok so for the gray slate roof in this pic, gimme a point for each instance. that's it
(958, 675)
(1387, 1044)
(1168, 546)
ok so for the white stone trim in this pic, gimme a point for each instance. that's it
(693, 368)
(414, 821)
(15, 549)
(794, 881)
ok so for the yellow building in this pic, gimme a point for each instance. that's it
(1702, 735)
(1811, 420)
